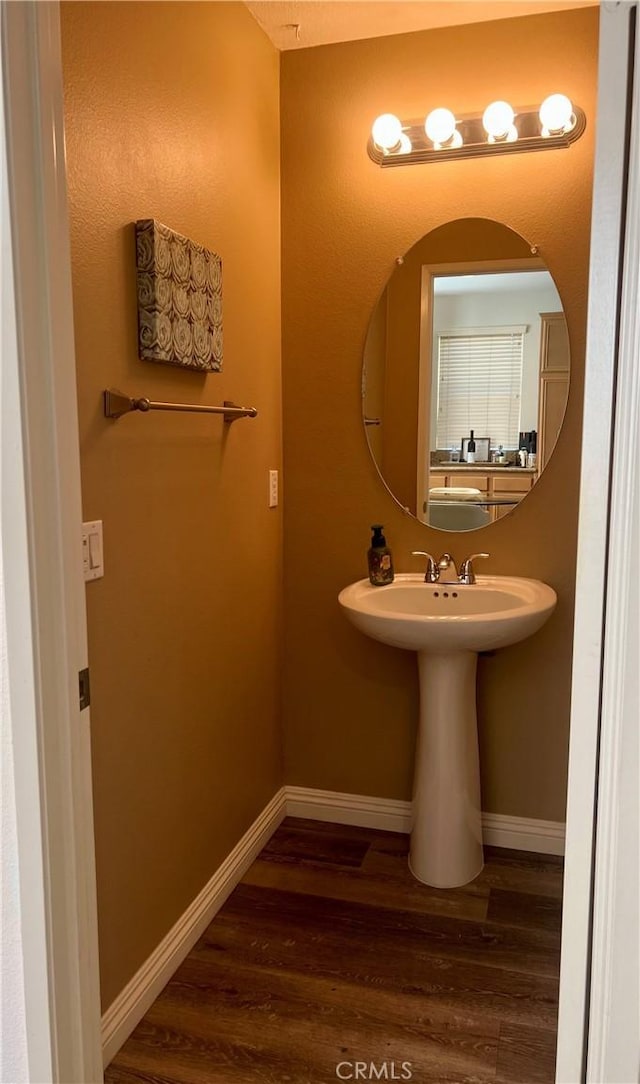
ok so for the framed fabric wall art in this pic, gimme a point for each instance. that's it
(179, 299)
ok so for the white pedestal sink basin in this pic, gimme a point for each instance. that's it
(447, 624)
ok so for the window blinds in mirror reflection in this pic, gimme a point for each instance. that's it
(479, 385)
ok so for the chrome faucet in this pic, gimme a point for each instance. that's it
(433, 572)
(445, 571)
(467, 575)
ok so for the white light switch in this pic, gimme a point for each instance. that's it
(92, 552)
(273, 489)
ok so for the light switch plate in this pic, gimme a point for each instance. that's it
(92, 550)
(273, 489)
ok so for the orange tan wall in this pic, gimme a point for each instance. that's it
(172, 113)
(350, 704)
(373, 387)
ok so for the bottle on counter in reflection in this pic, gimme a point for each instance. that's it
(379, 558)
(471, 449)
(532, 460)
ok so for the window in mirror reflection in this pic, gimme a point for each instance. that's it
(486, 330)
(486, 351)
(479, 384)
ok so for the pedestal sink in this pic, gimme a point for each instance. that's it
(448, 624)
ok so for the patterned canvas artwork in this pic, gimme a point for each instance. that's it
(179, 299)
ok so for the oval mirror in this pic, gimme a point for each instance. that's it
(466, 375)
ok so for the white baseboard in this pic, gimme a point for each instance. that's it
(388, 814)
(131, 1004)
(523, 833)
(543, 837)
(520, 833)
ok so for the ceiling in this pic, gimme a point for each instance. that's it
(521, 282)
(298, 24)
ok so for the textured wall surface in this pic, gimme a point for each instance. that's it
(350, 704)
(172, 112)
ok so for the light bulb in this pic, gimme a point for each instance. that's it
(556, 114)
(386, 131)
(440, 126)
(498, 120)
(406, 145)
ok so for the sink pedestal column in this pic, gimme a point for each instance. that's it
(446, 840)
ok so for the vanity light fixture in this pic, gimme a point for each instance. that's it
(557, 122)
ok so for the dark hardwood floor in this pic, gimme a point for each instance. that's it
(329, 953)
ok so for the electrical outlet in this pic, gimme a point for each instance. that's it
(273, 489)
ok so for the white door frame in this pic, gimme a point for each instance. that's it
(576, 1024)
(46, 627)
(614, 1040)
(42, 556)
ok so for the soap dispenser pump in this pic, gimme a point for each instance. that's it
(379, 558)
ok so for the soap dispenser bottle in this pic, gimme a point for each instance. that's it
(379, 558)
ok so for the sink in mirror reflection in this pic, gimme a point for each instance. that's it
(469, 335)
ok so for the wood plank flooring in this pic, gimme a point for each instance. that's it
(329, 953)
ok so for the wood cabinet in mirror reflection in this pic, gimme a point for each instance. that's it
(469, 334)
(554, 381)
(500, 485)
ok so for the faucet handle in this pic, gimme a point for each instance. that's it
(433, 572)
(467, 574)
